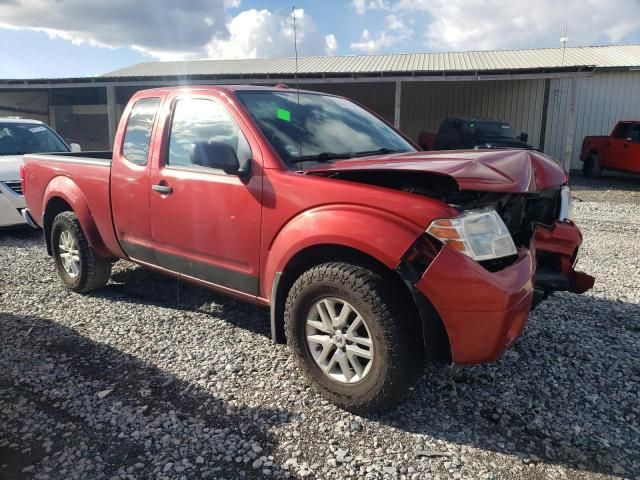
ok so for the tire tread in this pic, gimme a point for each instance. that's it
(406, 353)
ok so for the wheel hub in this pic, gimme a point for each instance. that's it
(339, 340)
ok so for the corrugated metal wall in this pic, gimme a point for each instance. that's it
(426, 104)
(601, 101)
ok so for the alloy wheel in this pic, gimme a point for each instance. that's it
(69, 253)
(339, 340)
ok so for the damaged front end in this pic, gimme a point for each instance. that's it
(537, 220)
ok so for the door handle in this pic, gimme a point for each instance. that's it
(163, 189)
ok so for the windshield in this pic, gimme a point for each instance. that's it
(491, 130)
(21, 138)
(321, 128)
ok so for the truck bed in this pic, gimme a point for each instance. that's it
(81, 177)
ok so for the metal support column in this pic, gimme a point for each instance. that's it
(570, 132)
(112, 118)
(398, 100)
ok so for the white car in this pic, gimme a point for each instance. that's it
(17, 137)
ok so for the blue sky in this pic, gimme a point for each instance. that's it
(87, 37)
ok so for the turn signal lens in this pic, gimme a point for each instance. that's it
(479, 234)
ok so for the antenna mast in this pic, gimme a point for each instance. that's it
(563, 40)
(295, 47)
(295, 44)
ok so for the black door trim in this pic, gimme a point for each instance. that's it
(224, 277)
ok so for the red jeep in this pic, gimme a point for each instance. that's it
(371, 255)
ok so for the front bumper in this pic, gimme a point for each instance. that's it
(561, 241)
(483, 312)
(10, 205)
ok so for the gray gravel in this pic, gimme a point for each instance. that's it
(149, 378)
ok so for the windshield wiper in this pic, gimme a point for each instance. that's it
(322, 157)
(380, 151)
(327, 156)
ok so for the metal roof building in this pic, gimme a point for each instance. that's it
(393, 64)
(555, 95)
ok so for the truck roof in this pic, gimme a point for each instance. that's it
(233, 88)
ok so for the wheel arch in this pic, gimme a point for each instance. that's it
(428, 322)
(62, 195)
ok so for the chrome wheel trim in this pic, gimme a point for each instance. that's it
(69, 253)
(339, 340)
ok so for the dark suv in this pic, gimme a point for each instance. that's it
(463, 133)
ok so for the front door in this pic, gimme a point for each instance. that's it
(618, 145)
(205, 223)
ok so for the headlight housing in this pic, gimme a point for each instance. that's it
(566, 205)
(479, 234)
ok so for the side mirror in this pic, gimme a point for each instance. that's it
(218, 155)
(75, 147)
(524, 137)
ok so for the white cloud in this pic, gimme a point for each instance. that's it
(361, 6)
(171, 29)
(332, 44)
(394, 22)
(368, 44)
(148, 25)
(262, 33)
(394, 32)
(490, 24)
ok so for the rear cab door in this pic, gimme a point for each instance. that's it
(205, 223)
(130, 167)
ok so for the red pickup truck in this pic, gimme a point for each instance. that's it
(618, 151)
(371, 255)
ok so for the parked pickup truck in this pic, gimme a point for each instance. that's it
(371, 255)
(618, 151)
(457, 133)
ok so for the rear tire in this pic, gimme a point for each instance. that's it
(79, 267)
(386, 342)
(591, 168)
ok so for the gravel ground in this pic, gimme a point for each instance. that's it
(149, 378)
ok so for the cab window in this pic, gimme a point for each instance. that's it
(623, 130)
(198, 121)
(138, 133)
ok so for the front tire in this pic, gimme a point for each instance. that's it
(79, 267)
(353, 337)
(591, 168)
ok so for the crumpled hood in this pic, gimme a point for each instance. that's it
(10, 167)
(511, 171)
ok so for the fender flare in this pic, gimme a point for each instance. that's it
(378, 234)
(67, 190)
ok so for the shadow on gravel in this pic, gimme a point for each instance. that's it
(567, 392)
(150, 425)
(608, 181)
(26, 234)
(135, 284)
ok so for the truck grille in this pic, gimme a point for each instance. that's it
(521, 212)
(15, 185)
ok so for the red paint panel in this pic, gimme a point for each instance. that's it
(483, 312)
(564, 239)
(493, 170)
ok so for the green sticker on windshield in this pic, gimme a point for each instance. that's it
(283, 114)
